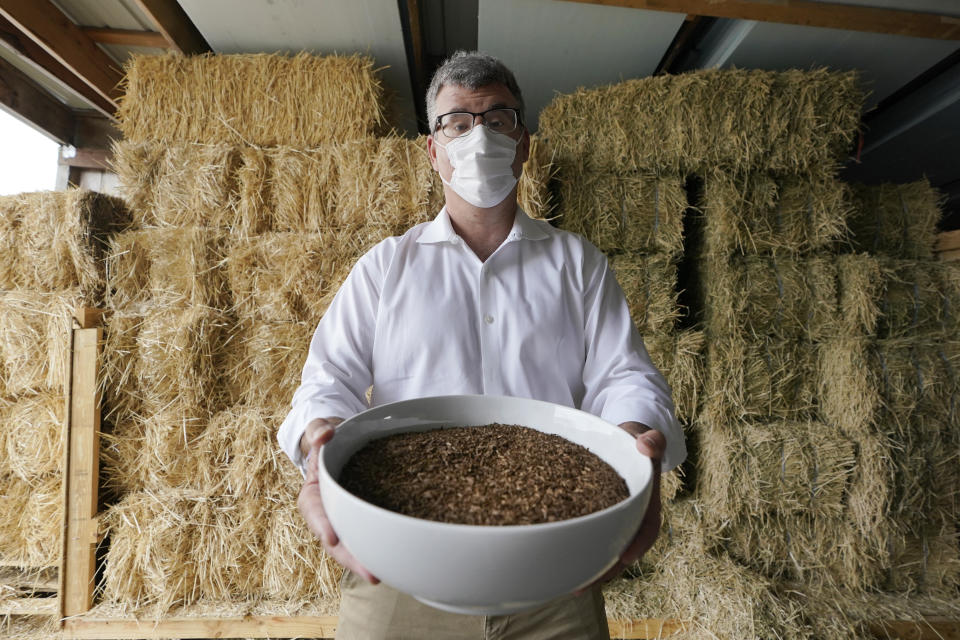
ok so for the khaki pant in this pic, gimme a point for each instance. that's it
(379, 612)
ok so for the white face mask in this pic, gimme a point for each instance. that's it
(482, 166)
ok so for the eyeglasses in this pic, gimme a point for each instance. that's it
(460, 123)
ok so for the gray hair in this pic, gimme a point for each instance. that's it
(471, 70)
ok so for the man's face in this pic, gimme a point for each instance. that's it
(454, 98)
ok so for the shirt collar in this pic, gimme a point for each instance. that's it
(441, 229)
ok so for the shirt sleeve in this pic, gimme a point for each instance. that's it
(337, 372)
(621, 383)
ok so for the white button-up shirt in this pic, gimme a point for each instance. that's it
(544, 318)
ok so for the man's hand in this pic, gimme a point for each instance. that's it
(652, 444)
(318, 433)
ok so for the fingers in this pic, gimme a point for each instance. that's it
(649, 527)
(345, 558)
(318, 432)
(652, 444)
(311, 507)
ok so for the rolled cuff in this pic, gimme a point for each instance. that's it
(295, 424)
(655, 417)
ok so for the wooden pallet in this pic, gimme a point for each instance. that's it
(76, 576)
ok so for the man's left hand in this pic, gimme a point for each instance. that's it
(652, 444)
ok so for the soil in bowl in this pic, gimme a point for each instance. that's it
(490, 475)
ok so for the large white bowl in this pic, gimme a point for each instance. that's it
(484, 570)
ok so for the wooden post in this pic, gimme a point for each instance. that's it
(77, 569)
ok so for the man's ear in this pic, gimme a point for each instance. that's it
(432, 153)
(524, 150)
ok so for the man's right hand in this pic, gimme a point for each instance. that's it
(318, 433)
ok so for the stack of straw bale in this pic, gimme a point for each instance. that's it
(255, 182)
(52, 263)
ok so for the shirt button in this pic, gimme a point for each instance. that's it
(488, 319)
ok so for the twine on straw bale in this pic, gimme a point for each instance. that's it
(650, 286)
(716, 597)
(33, 427)
(790, 121)
(296, 568)
(58, 239)
(260, 99)
(35, 340)
(778, 467)
(31, 520)
(179, 265)
(284, 276)
(635, 212)
(265, 360)
(763, 295)
(760, 213)
(679, 357)
(899, 220)
(761, 377)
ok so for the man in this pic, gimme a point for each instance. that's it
(483, 300)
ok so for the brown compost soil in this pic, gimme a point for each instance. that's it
(490, 475)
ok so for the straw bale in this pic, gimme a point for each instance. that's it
(195, 186)
(296, 567)
(834, 614)
(534, 187)
(779, 467)
(760, 378)
(760, 213)
(260, 99)
(150, 558)
(35, 340)
(31, 520)
(926, 563)
(859, 287)
(158, 449)
(638, 212)
(34, 427)
(807, 549)
(265, 360)
(229, 546)
(240, 447)
(137, 165)
(285, 276)
(118, 358)
(181, 265)
(679, 357)
(180, 352)
(687, 580)
(769, 296)
(918, 297)
(288, 189)
(650, 286)
(868, 385)
(788, 121)
(30, 627)
(59, 239)
(898, 220)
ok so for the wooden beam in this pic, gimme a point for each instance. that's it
(175, 25)
(947, 241)
(926, 629)
(14, 40)
(126, 37)
(24, 99)
(46, 25)
(810, 14)
(82, 470)
(28, 607)
(86, 158)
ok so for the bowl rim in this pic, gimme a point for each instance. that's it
(622, 505)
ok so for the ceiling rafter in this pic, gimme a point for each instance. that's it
(26, 100)
(175, 26)
(46, 25)
(13, 40)
(127, 37)
(808, 13)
